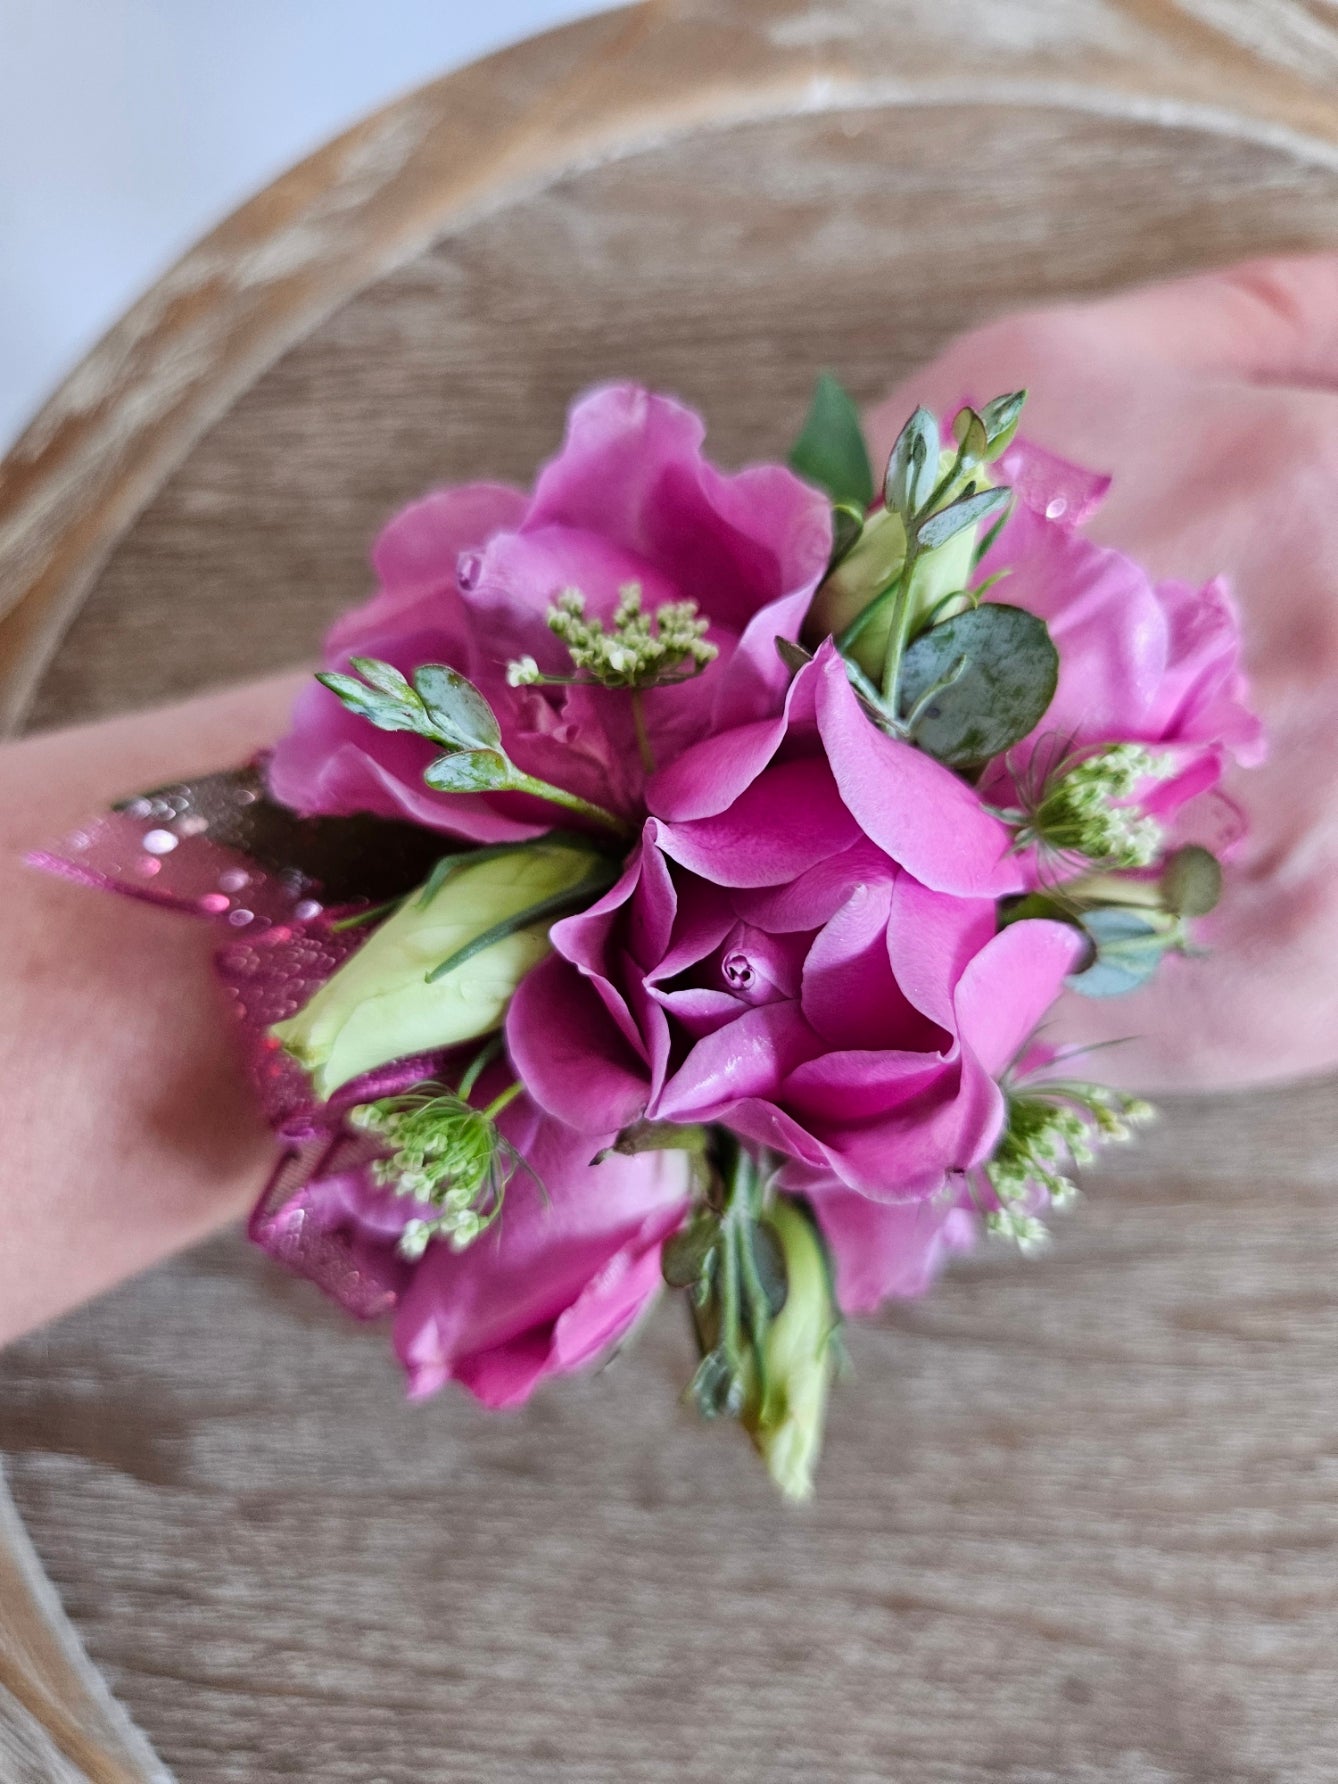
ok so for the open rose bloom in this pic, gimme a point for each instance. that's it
(723, 853)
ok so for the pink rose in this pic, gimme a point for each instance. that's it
(559, 1279)
(888, 1251)
(467, 578)
(1140, 661)
(804, 948)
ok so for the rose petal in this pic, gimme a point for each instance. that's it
(917, 811)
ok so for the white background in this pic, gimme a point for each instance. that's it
(129, 127)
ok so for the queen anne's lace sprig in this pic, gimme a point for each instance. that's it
(446, 1154)
(1084, 807)
(1052, 1129)
(637, 650)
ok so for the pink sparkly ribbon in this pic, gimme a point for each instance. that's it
(220, 849)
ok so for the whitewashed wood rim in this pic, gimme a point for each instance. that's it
(131, 412)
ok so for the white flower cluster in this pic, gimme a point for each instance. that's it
(444, 1153)
(1052, 1131)
(1082, 810)
(636, 650)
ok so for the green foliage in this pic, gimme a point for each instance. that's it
(446, 709)
(973, 686)
(1052, 1128)
(445, 1155)
(830, 450)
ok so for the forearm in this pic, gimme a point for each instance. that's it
(127, 1129)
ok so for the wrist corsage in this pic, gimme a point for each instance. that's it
(668, 879)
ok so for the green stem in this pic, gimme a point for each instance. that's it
(867, 615)
(368, 916)
(730, 1317)
(642, 734)
(539, 789)
(899, 631)
(477, 1066)
(502, 1101)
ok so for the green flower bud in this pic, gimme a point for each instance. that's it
(786, 1411)
(383, 1004)
(875, 562)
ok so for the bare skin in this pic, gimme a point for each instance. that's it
(126, 1128)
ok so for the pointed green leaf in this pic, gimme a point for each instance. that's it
(912, 470)
(972, 440)
(1001, 418)
(456, 708)
(559, 904)
(847, 525)
(830, 450)
(966, 511)
(379, 709)
(469, 771)
(793, 655)
(384, 678)
(978, 683)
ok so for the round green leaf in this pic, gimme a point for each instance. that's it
(1191, 883)
(975, 685)
(1129, 949)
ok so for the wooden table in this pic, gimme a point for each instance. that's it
(1078, 1519)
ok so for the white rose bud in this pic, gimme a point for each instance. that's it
(382, 1004)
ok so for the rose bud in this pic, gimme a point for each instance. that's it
(391, 999)
(875, 562)
(784, 1413)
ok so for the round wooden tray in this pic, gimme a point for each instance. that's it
(1076, 1520)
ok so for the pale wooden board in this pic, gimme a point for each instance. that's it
(1078, 1522)
(1078, 1518)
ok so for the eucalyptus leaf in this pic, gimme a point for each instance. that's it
(469, 771)
(830, 450)
(912, 469)
(456, 708)
(1191, 882)
(979, 682)
(1000, 417)
(1129, 949)
(967, 511)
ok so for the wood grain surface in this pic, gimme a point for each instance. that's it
(1079, 1519)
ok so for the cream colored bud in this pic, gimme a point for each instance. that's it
(381, 1006)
